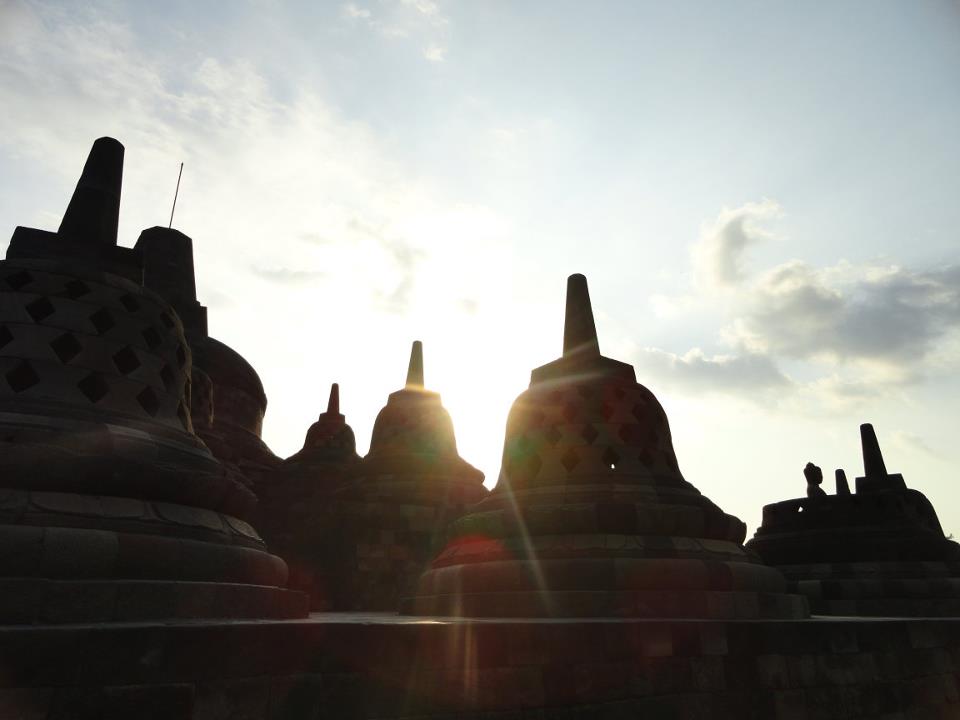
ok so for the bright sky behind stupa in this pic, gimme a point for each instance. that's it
(765, 197)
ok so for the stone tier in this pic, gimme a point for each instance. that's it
(879, 552)
(376, 666)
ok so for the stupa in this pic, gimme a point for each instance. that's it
(298, 493)
(110, 507)
(233, 434)
(879, 551)
(408, 488)
(592, 516)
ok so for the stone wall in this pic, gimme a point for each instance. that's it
(380, 666)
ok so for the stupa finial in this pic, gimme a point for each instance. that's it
(333, 404)
(94, 210)
(415, 369)
(579, 329)
(873, 465)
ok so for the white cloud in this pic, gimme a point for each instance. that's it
(435, 53)
(695, 371)
(718, 256)
(355, 12)
(856, 331)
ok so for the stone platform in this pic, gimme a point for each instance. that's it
(336, 665)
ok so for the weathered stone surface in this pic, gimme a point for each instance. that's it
(383, 527)
(370, 666)
(110, 502)
(592, 516)
(880, 551)
(295, 503)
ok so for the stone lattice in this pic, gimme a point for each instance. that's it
(104, 489)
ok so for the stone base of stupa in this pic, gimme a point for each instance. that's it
(382, 666)
(879, 589)
(878, 554)
(380, 537)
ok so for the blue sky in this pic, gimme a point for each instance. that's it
(762, 194)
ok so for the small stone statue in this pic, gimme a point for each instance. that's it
(843, 488)
(814, 476)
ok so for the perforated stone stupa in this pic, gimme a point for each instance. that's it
(297, 495)
(592, 516)
(408, 488)
(110, 507)
(235, 401)
(880, 551)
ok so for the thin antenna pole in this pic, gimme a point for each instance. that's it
(177, 192)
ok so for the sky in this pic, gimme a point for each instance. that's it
(763, 196)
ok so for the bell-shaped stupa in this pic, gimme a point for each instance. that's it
(413, 449)
(384, 526)
(592, 516)
(879, 551)
(295, 497)
(232, 432)
(110, 507)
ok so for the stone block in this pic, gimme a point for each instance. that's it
(707, 674)
(232, 700)
(78, 553)
(772, 671)
(25, 703)
(21, 549)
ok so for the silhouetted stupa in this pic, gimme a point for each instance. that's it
(296, 497)
(880, 551)
(238, 400)
(112, 509)
(132, 586)
(409, 486)
(592, 516)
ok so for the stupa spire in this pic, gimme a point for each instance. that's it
(94, 210)
(579, 328)
(333, 404)
(415, 368)
(873, 465)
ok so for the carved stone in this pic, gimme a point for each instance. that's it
(880, 551)
(385, 525)
(592, 516)
(101, 476)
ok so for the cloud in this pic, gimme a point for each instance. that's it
(355, 12)
(909, 441)
(694, 371)
(286, 276)
(855, 331)
(421, 20)
(886, 316)
(435, 53)
(718, 256)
